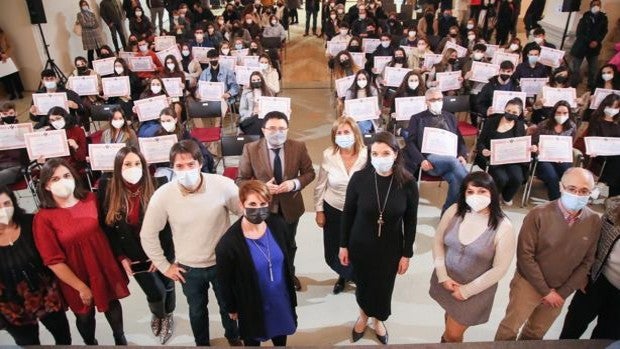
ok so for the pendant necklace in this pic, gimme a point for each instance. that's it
(380, 221)
(266, 255)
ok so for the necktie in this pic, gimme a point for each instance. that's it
(277, 166)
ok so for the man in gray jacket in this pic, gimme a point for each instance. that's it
(112, 15)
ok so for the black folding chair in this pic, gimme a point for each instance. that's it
(233, 146)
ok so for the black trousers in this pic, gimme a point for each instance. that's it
(86, 324)
(278, 341)
(508, 178)
(159, 292)
(312, 14)
(602, 300)
(56, 323)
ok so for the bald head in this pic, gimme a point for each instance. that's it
(578, 178)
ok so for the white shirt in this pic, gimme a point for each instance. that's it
(333, 178)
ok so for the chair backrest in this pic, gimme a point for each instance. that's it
(406, 12)
(102, 112)
(455, 104)
(233, 145)
(203, 109)
(367, 139)
(271, 42)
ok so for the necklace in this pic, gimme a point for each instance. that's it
(380, 221)
(266, 255)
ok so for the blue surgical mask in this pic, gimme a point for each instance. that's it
(188, 178)
(238, 46)
(276, 139)
(532, 59)
(382, 164)
(573, 202)
(345, 141)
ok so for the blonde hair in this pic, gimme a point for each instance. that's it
(359, 142)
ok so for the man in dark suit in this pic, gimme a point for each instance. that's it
(285, 166)
(312, 10)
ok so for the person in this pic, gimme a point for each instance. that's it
(144, 50)
(605, 122)
(561, 124)
(540, 40)
(416, 59)
(82, 69)
(124, 196)
(473, 248)
(608, 78)
(445, 22)
(59, 119)
(157, 12)
(601, 297)
(51, 84)
(312, 11)
(560, 78)
(591, 31)
(504, 81)
(378, 231)
(285, 166)
(361, 88)
(217, 73)
(112, 15)
(507, 15)
(411, 86)
(199, 39)
(119, 130)
(22, 269)
(451, 169)
(254, 271)
(141, 27)
(270, 73)
(197, 206)
(13, 160)
(332, 24)
(530, 67)
(453, 37)
(341, 160)
(135, 87)
(72, 244)
(427, 25)
(508, 177)
(172, 69)
(274, 29)
(545, 278)
(92, 35)
(12, 82)
(249, 123)
(533, 14)
(448, 63)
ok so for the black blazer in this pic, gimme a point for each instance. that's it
(238, 281)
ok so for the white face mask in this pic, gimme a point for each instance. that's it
(362, 83)
(170, 66)
(117, 124)
(411, 34)
(50, 85)
(607, 76)
(478, 55)
(513, 47)
(169, 126)
(119, 70)
(225, 51)
(199, 37)
(185, 53)
(264, 66)
(382, 164)
(63, 188)
(188, 178)
(139, 14)
(6, 214)
(538, 40)
(470, 26)
(143, 48)
(344, 32)
(413, 84)
(561, 119)
(596, 9)
(345, 141)
(436, 107)
(276, 139)
(478, 202)
(155, 89)
(58, 124)
(132, 175)
(471, 37)
(611, 111)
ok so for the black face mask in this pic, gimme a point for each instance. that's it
(256, 215)
(452, 60)
(453, 35)
(510, 117)
(214, 63)
(354, 49)
(9, 119)
(399, 59)
(82, 70)
(561, 79)
(504, 77)
(346, 63)
(256, 84)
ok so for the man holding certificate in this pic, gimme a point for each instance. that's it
(50, 84)
(449, 167)
(502, 82)
(217, 73)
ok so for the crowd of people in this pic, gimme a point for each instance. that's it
(94, 231)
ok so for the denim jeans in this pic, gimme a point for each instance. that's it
(365, 126)
(450, 169)
(196, 289)
(159, 291)
(592, 70)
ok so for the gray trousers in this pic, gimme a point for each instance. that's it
(159, 13)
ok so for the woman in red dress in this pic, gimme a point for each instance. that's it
(69, 237)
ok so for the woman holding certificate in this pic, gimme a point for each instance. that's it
(155, 87)
(249, 123)
(473, 248)
(172, 70)
(123, 198)
(416, 59)
(135, 87)
(378, 229)
(560, 78)
(119, 130)
(81, 69)
(449, 63)
(362, 88)
(68, 235)
(605, 122)
(59, 119)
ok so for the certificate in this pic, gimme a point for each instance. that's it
(7, 68)
(500, 98)
(228, 62)
(102, 155)
(408, 50)
(12, 136)
(499, 57)
(460, 50)
(552, 95)
(439, 141)
(250, 61)
(533, 86)
(239, 54)
(408, 106)
(370, 45)
(449, 81)
(46, 144)
(599, 95)
(491, 49)
(430, 59)
(210, 91)
(117, 86)
(87, 85)
(164, 42)
(142, 64)
(126, 55)
(46, 101)
(333, 48)
(149, 108)
(174, 86)
(200, 53)
(343, 84)
(550, 57)
(511, 150)
(157, 149)
(362, 108)
(482, 72)
(555, 148)
(602, 146)
(172, 50)
(243, 74)
(104, 66)
(268, 104)
(359, 58)
(379, 62)
(393, 77)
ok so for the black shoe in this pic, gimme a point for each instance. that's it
(120, 340)
(383, 339)
(355, 336)
(296, 283)
(306, 34)
(339, 285)
(235, 342)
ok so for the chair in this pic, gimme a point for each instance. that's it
(460, 104)
(206, 110)
(102, 112)
(423, 176)
(367, 137)
(406, 12)
(233, 146)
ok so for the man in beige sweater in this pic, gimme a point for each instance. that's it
(555, 251)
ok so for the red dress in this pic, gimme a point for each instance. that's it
(73, 236)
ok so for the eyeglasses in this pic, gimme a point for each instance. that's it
(435, 99)
(276, 129)
(576, 191)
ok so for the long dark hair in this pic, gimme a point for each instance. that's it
(551, 123)
(69, 119)
(403, 89)
(482, 180)
(401, 174)
(47, 171)
(615, 82)
(599, 113)
(264, 89)
(18, 212)
(354, 88)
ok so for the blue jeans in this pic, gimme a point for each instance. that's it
(196, 289)
(592, 70)
(450, 169)
(365, 126)
(551, 173)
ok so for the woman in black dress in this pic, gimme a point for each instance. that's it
(378, 230)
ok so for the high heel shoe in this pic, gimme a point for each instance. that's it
(383, 339)
(355, 336)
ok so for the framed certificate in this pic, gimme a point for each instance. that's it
(482, 72)
(164, 42)
(46, 101)
(268, 104)
(104, 66)
(200, 53)
(370, 45)
(359, 58)
(87, 85)
(511, 150)
(210, 91)
(333, 48)
(449, 81)
(552, 95)
(239, 54)
(362, 109)
(533, 86)
(243, 74)
(550, 57)
(174, 86)
(555, 148)
(408, 106)
(500, 98)
(602, 146)
(599, 95)
(460, 50)
(102, 155)
(149, 108)
(118, 86)
(12, 136)
(250, 61)
(46, 144)
(343, 84)
(157, 149)
(430, 59)
(7, 68)
(172, 50)
(141, 64)
(491, 49)
(380, 62)
(499, 57)
(126, 56)
(228, 62)
(393, 77)
(439, 141)
(408, 50)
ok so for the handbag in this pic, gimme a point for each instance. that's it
(77, 28)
